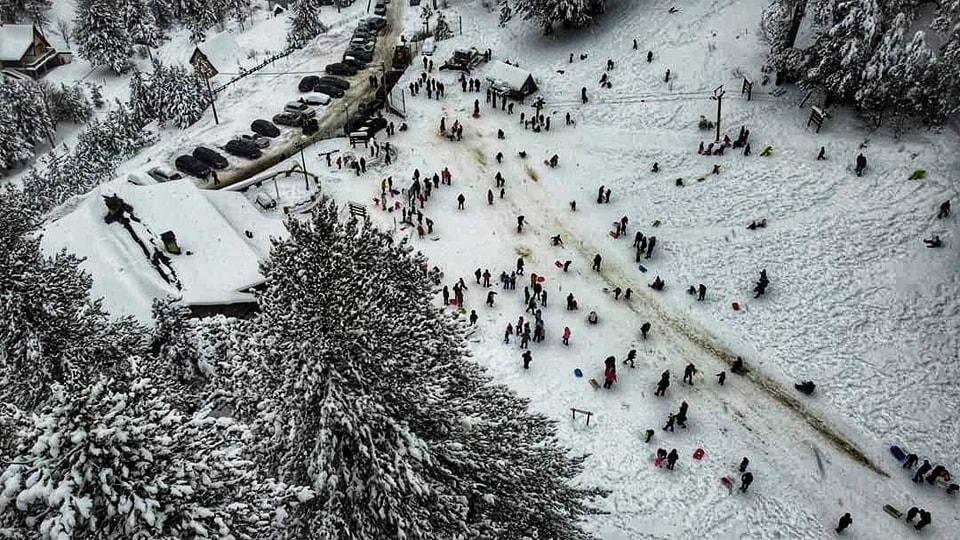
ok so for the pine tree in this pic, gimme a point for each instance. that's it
(21, 11)
(141, 23)
(66, 103)
(442, 30)
(506, 12)
(14, 148)
(96, 94)
(343, 403)
(115, 460)
(101, 34)
(564, 12)
(50, 330)
(305, 23)
(184, 96)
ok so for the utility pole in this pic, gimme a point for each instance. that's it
(303, 162)
(718, 95)
(213, 104)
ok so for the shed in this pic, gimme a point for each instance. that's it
(510, 80)
(220, 51)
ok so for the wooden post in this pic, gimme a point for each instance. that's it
(747, 88)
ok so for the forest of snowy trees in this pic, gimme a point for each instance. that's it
(897, 56)
(333, 414)
(548, 13)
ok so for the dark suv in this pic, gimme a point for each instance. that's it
(211, 157)
(307, 83)
(334, 81)
(242, 148)
(264, 128)
(188, 164)
(340, 69)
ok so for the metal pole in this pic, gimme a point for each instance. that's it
(719, 102)
(276, 186)
(303, 162)
(213, 104)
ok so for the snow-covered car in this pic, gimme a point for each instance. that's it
(265, 200)
(374, 22)
(261, 142)
(301, 108)
(428, 47)
(188, 164)
(356, 62)
(211, 157)
(363, 43)
(163, 174)
(315, 99)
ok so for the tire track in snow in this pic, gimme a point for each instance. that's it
(645, 305)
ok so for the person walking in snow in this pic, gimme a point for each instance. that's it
(745, 481)
(912, 513)
(822, 154)
(861, 164)
(644, 328)
(672, 458)
(566, 336)
(527, 358)
(637, 238)
(701, 292)
(490, 296)
(508, 331)
(924, 520)
(597, 259)
(460, 200)
(478, 275)
(688, 373)
(631, 358)
(648, 434)
(937, 472)
(609, 376)
(682, 415)
(486, 278)
(845, 521)
(918, 477)
(543, 297)
(663, 384)
(473, 317)
(649, 56)
(721, 377)
(490, 197)
(520, 266)
(744, 463)
(525, 336)
(651, 242)
(519, 224)
(446, 296)
(670, 421)
(617, 292)
(944, 210)
(583, 95)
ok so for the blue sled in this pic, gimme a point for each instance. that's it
(577, 373)
(642, 268)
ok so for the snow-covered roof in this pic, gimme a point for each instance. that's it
(222, 51)
(217, 262)
(511, 76)
(15, 40)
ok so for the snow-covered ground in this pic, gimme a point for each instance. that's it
(856, 302)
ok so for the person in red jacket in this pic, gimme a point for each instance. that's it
(566, 335)
(609, 377)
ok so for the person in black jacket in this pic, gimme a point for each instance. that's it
(845, 522)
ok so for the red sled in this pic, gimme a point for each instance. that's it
(453, 301)
(658, 462)
(613, 234)
(698, 454)
(541, 279)
(558, 264)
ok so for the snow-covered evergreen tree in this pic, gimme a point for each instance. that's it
(563, 12)
(14, 147)
(363, 392)
(50, 329)
(67, 103)
(116, 460)
(96, 94)
(305, 23)
(442, 30)
(21, 11)
(184, 96)
(506, 12)
(141, 23)
(101, 35)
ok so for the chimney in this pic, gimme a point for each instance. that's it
(170, 242)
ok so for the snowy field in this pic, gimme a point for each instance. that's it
(856, 302)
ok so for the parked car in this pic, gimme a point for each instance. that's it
(261, 142)
(364, 46)
(414, 2)
(331, 91)
(340, 68)
(188, 164)
(163, 174)
(428, 47)
(336, 81)
(374, 22)
(357, 59)
(364, 32)
(315, 99)
(288, 119)
(211, 157)
(301, 108)
(242, 148)
(265, 200)
(264, 128)
(307, 83)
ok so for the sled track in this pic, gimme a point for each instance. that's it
(645, 304)
(708, 344)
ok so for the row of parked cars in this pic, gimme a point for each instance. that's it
(203, 160)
